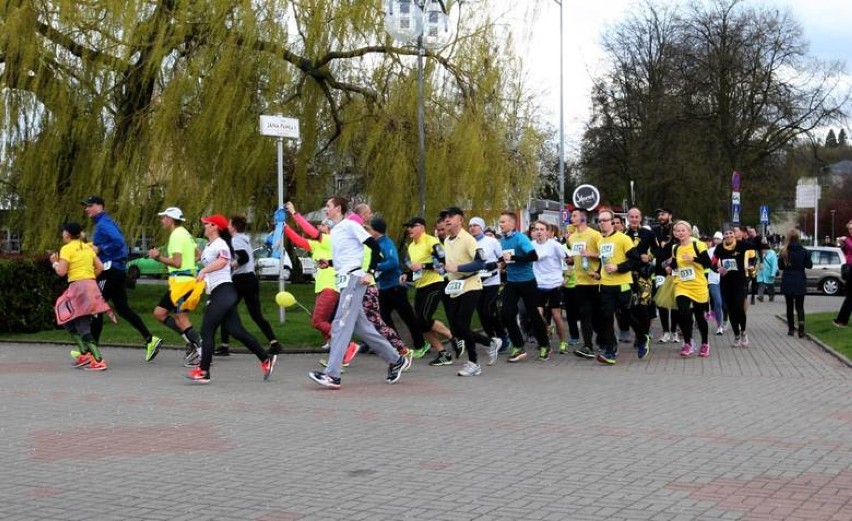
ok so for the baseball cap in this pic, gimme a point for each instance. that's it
(453, 210)
(479, 221)
(217, 220)
(718, 235)
(379, 224)
(92, 199)
(174, 212)
(662, 209)
(414, 221)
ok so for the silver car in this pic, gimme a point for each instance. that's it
(825, 276)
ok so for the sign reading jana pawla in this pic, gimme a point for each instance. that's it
(587, 197)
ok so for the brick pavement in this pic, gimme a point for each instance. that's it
(763, 433)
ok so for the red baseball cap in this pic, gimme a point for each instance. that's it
(217, 220)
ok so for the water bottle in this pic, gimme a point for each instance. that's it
(439, 257)
(585, 263)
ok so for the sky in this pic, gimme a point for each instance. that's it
(825, 23)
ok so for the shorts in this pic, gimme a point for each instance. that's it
(550, 298)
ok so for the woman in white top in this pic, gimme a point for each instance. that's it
(221, 307)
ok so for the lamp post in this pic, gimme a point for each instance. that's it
(561, 113)
(426, 24)
(833, 236)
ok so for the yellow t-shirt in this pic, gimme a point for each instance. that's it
(462, 250)
(689, 277)
(81, 260)
(613, 249)
(420, 252)
(586, 240)
(181, 241)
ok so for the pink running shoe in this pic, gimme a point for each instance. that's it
(687, 350)
(351, 352)
(704, 350)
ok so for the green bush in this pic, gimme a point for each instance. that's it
(29, 287)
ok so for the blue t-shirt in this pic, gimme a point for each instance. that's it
(389, 268)
(518, 271)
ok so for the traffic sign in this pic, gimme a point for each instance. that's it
(735, 198)
(764, 214)
(566, 216)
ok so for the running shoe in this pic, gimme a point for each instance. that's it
(423, 351)
(193, 355)
(222, 350)
(585, 352)
(395, 370)
(443, 358)
(676, 338)
(518, 355)
(409, 355)
(704, 350)
(838, 323)
(274, 348)
(325, 347)
(738, 341)
(470, 369)
(74, 354)
(324, 363)
(544, 353)
(494, 350)
(351, 353)
(643, 350)
(196, 375)
(720, 330)
(458, 346)
(324, 380)
(563, 348)
(268, 365)
(665, 338)
(152, 348)
(607, 357)
(686, 350)
(83, 360)
(96, 365)
(744, 339)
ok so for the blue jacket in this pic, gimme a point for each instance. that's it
(110, 241)
(388, 267)
(769, 268)
(521, 270)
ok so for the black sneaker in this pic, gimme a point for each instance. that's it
(193, 355)
(222, 350)
(396, 370)
(275, 348)
(458, 346)
(324, 380)
(443, 358)
(585, 352)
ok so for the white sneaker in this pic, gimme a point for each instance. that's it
(676, 338)
(720, 330)
(744, 340)
(667, 337)
(493, 349)
(470, 369)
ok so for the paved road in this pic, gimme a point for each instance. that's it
(763, 433)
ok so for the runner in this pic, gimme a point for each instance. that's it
(464, 286)
(424, 252)
(662, 251)
(487, 308)
(714, 286)
(583, 244)
(617, 263)
(77, 304)
(729, 259)
(688, 263)
(358, 295)
(517, 258)
(569, 297)
(172, 309)
(548, 275)
(112, 250)
(247, 286)
(641, 310)
(221, 308)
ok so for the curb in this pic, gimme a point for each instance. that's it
(825, 347)
(238, 350)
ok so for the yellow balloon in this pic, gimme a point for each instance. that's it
(285, 299)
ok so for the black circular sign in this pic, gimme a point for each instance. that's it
(587, 197)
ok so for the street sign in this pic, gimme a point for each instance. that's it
(764, 214)
(566, 216)
(587, 197)
(736, 179)
(279, 126)
(735, 198)
(807, 196)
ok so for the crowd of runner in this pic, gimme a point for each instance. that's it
(583, 289)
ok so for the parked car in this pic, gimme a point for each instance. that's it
(825, 276)
(266, 266)
(147, 267)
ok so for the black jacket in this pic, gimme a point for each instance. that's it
(793, 280)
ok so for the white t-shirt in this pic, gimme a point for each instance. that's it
(216, 250)
(241, 241)
(347, 247)
(548, 267)
(491, 251)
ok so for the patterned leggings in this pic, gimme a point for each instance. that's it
(374, 315)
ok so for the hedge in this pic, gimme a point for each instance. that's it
(28, 287)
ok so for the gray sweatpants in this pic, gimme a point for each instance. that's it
(351, 318)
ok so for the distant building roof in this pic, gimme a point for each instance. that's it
(841, 167)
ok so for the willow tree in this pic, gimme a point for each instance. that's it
(156, 102)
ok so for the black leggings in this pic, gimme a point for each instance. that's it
(396, 298)
(248, 289)
(799, 302)
(489, 315)
(528, 292)
(685, 315)
(572, 311)
(460, 312)
(222, 310)
(112, 283)
(588, 307)
(734, 295)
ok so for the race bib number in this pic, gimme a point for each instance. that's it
(659, 280)
(607, 250)
(729, 264)
(455, 287)
(341, 280)
(107, 265)
(686, 274)
(578, 248)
